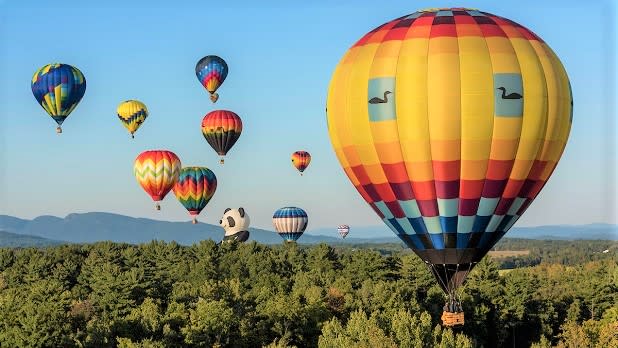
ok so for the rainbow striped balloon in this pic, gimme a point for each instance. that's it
(449, 123)
(221, 129)
(194, 189)
(301, 160)
(290, 223)
(58, 88)
(157, 171)
(132, 113)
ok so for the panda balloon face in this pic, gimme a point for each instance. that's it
(235, 221)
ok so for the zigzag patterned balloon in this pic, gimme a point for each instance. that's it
(157, 171)
(194, 189)
(132, 113)
(58, 88)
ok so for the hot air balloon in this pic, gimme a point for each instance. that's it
(427, 117)
(300, 160)
(132, 113)
(211, 71)
(343, 230)
(221, 129)
(194, 189)
(157, 171)
(290, 223)
(58, 88)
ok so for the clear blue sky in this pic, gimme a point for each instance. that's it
(281, 56)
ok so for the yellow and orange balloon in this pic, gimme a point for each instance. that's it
(301, 160)
(157, 171)
(449, 123)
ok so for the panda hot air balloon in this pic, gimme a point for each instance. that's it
(211, 71)
(157, 171)
(343, 230)
(58, 88)
(449, 123)
(290, 223)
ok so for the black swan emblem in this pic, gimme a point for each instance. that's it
(376, 100)
(510, 95)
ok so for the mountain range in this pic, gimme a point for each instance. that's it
(92, 227)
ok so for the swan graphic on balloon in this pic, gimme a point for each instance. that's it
(58, 88)
(454, 156)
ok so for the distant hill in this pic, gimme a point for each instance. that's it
(14, 240)
(92, 227)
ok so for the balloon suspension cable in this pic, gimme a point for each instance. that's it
(58, 130)
(157, 206)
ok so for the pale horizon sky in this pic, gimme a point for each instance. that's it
(281, 57)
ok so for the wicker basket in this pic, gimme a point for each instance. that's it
(452, 319)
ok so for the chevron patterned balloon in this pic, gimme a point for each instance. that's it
(194, 189)
(157, 171)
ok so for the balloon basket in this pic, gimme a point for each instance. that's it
(214, 97)
(450, 319)
(221, 161)
(157, 206)
(194, 221)
(132, 136)
(58, 130)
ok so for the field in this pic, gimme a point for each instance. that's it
(498, 254)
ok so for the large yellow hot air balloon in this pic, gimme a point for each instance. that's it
(449, 122)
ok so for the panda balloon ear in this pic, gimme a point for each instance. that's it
(230, 221)
(242, 212)
(226, 210)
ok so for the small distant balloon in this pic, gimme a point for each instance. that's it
(194, 189)
(301, 160)
(157, 171)
(343, 230)
(211, 71)
(58, 88)
(221, 129)
(290, 223)
(132, 113)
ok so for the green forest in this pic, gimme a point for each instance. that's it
(163, 294)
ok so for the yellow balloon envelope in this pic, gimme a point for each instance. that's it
(132, 113)
(449, 122)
